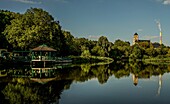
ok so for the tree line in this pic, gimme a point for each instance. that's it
(36, 27)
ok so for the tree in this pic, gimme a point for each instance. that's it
(144, 44)
(150, 52)
(5, 18)
(99, 51)
(115, 53)
(33, 28)
(120, 49)
(103, 42)
(86, 53)
(70, 44)
(137, 52)
(82, 44)
(102, 47)
(58, 39)
(121, 43)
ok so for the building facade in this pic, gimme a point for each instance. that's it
(137, 40)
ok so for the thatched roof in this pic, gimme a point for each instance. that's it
(43, 48)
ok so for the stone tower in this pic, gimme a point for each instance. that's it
(135, 38)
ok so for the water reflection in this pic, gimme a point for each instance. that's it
(22, 90)
(160, 84)
(45, 85)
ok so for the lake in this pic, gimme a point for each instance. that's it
(116, 83)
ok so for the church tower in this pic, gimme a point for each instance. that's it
(135, 38)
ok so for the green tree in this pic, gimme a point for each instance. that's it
(137, 52)
(120, 49)
(144, 44)
(82, 44)
(98, 51)
(115, 53)
(70, 43)
(86, 53)
(57, 39)
(103, 42)
(5, 18)
(33, 28)
(168, 54)
(102, 47)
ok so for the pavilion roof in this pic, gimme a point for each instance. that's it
(43, 48)
(42, 80)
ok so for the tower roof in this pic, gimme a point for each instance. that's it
(136, 34)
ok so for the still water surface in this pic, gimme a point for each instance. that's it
(116, 83)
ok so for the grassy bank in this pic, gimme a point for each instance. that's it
(90, 59)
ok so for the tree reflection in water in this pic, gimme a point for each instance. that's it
(19, 91)
(18, 87)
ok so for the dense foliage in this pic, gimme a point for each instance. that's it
(36, 27)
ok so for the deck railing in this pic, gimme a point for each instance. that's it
(43, 58)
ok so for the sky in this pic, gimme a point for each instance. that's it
(114, 19)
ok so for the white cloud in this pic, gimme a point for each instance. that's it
(93, 37)
(166, 2)
(140, 30)
(27, 1)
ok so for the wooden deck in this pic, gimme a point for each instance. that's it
(43, 68)
(42, 60)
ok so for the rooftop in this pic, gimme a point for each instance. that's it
(43, 48)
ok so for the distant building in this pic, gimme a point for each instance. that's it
(136, 39)
(156, 45)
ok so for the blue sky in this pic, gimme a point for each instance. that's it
(115, 19)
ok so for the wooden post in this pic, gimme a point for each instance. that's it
(32, 55)
(40, 72)
(49, 72)
(49, 55)
(40, 55)
(44, 64)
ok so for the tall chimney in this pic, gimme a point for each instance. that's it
(160, 37)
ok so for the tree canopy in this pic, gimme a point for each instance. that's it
(36, 27)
